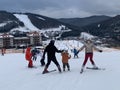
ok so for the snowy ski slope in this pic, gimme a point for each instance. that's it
(14, 74)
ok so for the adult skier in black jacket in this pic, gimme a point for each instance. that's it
(50, 50)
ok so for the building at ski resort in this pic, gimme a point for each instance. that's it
(8, 40)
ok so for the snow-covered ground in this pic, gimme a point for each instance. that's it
(16, 76)
(86, 35)
(26, 21)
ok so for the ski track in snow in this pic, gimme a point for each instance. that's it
(26, 21)
(16, 76)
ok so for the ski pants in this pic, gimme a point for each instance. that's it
(30, 63)
(54, 60)
(88, 56)
(75, 55)
(34, 57)
(66, 64)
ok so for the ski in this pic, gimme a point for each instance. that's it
(95, 68)
(49, 71)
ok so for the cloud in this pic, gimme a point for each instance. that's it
(60, 13)
(106, 7)
(63, 8)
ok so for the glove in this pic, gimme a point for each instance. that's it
(42, 62)
(100, 50)
(61, 51)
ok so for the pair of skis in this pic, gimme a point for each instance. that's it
(49, 71)
(92, 69)
(80, 71)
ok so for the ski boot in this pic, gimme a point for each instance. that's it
(95, 67)
(68, 69)
(45, 71)
(63, 69)
(82, 69)
(59, 69)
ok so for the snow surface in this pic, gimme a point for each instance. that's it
(99, 25)
(16, 76)
(86, 35)
(6, 35)
(26, 21)
(55, 29)
(2, 24)
(52, 31)
(41, 18)
(21, 29)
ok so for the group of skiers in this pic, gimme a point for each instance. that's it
(31, 55)
(51, 49)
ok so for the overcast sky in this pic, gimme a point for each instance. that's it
(63, 8)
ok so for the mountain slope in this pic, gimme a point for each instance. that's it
(43, 22)
(8, 21)
(101, 26)
(84, 21)
(26, 22)
(109, 29)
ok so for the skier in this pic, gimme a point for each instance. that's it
(23, 49)
(89, 46)
(65, 58)
(50, 50)
(41, 52)
(28, 56)
(34, 54)
(3, 51)
(75, 52)
(41, 59)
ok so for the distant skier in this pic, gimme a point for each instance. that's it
(75, 53)
(89, 46)
(51, 50)
(65, 58)
(23, 49)
(3, 51)
(28, 56)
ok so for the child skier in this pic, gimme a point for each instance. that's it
(28, 56)
(65, 58)
(89, 46)
(34, 54)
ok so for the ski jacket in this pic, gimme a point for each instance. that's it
(89, 47)
(51, 50)
(34, 52)
(75, 51)
(65, 57)
(28, 54)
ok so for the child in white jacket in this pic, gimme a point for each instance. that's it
(89, 47)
